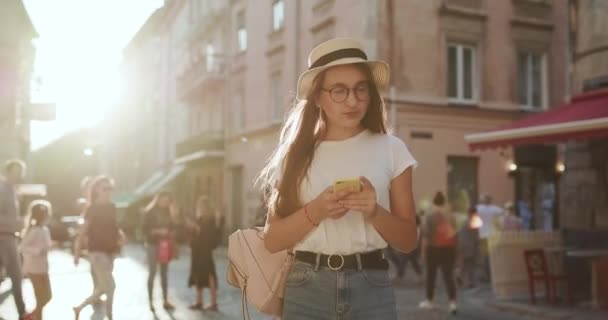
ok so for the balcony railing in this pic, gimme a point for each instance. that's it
(464, 4)
(203, 73)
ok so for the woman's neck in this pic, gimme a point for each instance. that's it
(337, 134)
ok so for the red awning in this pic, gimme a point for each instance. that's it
(584, 118)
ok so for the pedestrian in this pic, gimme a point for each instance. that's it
(336, 130)
(401, 260)
(439, 245)
(104, 240)
(547, 204)
(489, 213)
(508, 221)
(35, 245)
(468, 248)
(10, 226)
(202, 266)
(158, 231)
(81, 207)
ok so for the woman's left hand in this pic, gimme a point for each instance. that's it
(363, 201)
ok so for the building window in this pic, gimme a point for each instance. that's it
(241, 31)
(276, 93)
(462, 79)
(278, 14)
(530, 82)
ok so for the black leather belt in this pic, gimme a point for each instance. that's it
(337, 262)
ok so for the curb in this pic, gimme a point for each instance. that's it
(528, 310)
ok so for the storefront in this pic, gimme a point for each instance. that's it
(546, 147)
(561, 172)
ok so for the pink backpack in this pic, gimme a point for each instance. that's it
(258, 273)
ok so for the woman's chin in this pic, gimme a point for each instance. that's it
(353, 124)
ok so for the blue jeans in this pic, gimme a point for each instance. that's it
(321, 293)
(10, 261)
(152, 264)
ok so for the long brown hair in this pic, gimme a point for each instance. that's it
(301, 134)
(204, 201)
(94, 185)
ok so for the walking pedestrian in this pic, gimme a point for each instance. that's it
(337, 130)
(489, 214)
(104, 240)
(439, 245)
(202, 268)
(34, 247)
(468, 248)
(10, 226)
(158, 230)
(401, 260)
(81, 207)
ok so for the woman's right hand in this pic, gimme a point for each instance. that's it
(326, 205)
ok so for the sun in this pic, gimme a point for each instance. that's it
(77, 59)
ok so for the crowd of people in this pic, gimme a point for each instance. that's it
(454, 243)
(24, 251)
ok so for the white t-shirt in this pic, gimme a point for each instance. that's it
(488, 214)
(378, 157)
(34, 246)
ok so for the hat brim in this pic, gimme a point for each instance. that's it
(380, 73)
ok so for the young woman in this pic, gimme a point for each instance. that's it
(35, 246)
(158, 226)
(439, 245)
(337, 130)
(202, 268)
(104, 240)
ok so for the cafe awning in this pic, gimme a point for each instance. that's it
(150, 181)
(584, 118)
(201, 154)
(170, 175)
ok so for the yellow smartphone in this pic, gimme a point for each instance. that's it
(350, 183)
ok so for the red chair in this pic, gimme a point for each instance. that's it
(536, 264)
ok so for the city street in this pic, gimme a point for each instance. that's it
(72, 284)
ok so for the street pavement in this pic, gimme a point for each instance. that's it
(71, 284)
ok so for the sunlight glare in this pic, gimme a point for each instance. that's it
(78, 56)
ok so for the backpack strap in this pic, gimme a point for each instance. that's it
(244, 305)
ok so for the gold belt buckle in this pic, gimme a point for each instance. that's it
(341, 262)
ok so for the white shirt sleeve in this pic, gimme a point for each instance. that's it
(401, 156)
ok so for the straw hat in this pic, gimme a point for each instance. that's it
(335, 52)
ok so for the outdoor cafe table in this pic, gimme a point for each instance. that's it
(594, 255)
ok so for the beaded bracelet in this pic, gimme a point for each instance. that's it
(308, 216)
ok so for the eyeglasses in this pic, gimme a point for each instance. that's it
(340, 93)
